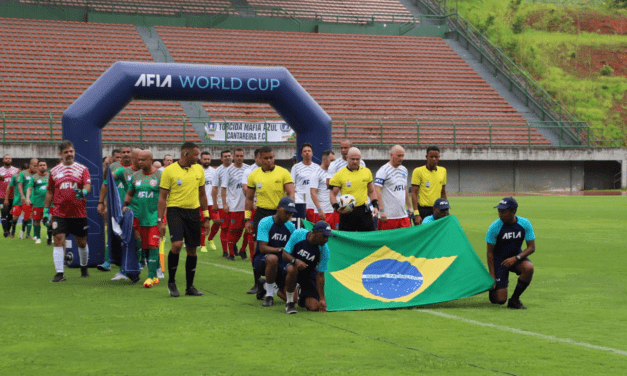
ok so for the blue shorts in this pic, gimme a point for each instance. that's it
(502, 273)
(259, 263)
(308, 286)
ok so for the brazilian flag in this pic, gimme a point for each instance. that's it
(407, 267)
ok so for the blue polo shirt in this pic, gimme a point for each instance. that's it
(275, 234)
(315, 256)
(508, 239)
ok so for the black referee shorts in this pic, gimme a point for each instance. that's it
(360, 219)
(425, 211)
(260, 214)
(184, 224)
(75, 226)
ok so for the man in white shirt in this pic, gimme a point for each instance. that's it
(205, 160)
(216, 186)
(320, 193)
(391, 186)
(233, 201)
(248, 238)
(303, 173)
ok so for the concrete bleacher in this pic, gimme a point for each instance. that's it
(153, 7)
(366, 83)
(46, 65)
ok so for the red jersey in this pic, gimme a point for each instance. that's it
(63, 180)
(5, 179)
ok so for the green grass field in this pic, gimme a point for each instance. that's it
(575, 323)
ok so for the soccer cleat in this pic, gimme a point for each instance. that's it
(22, 235)
(58, 277)
(28, 236)
(203, 249)
(191, 290)
(225, 254)
(139, 265)
(268, 301)
(210, 243)
(174, 292)
(160, 274)
(290, 308)
(261, 291)
(119, 277)
(243, 255)
(104, 267)
(49, 241)
(148, 283)
(37, 241)
(6, 234)
(231, 258)
(155, 281)
(253, 290)
(515, 304)
(84, 272)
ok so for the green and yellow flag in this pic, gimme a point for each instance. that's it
(407, 267)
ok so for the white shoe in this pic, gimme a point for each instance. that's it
(22, 235)
(119, 277)
(37, 241)
(160, 274)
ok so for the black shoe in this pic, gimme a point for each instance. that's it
(174, 292)
(268, 301)
(84, 272)
(231, 258)
(261, 291)
(290, 308)
(253, 290)
(6, 234)
(243, 255)
(191, 290)
(58, 277)
(515, 304)
(225, 254)
(49, 241)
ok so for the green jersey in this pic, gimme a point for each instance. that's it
(17, 198)
(123, 176)
(145, 191)
(39, 185)
(24, 178)
(115, 166)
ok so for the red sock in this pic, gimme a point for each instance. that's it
(233, 239)
(202, 235)
(223, 239)
(214, 230)
(251, 244)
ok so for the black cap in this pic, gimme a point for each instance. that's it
(507, 203)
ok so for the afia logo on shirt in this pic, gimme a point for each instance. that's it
(68, 185)
(279, 237)
(512, 235)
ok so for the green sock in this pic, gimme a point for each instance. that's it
(153, 262)
(28, 227)
(38, 231)
(106, 253)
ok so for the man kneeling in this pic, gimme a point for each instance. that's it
(307, 257)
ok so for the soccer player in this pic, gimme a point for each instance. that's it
(6, 194)
(355, 180)
(505, 237)
(16, 203)
(428, 184)
(158, 165)
(143, 195)
(320, 193)
(272, 235)
(216, 186)
(182, 191)
(340, 163)
(36, 194)
(303, 173)
(391, 186)
(307, 258)
(205, 161)
(233, 200)
(68, 186)
(23, 180)
(167, 160)
(440, 210)
(249, 238)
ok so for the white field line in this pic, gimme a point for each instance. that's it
(226, 267)
(524, 332)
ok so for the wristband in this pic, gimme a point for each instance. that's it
(126, 204)
(159, 220)
(382, 211)
(247, 214)
(100, 202)
(206, 213)
(416, 212)
(375, 203)
(319, 209)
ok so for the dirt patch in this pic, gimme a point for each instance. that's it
(588, 61)
(595, 22)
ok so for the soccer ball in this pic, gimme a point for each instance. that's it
(347, 202)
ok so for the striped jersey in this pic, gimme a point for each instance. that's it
(209, 174)
(232, 181)
(303, 175)
(320, 183)
(145, 190)
(393, 183)
(62, 182)
(5, 179)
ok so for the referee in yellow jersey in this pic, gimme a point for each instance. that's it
(428, 183)
(182, 191)
(355, 180)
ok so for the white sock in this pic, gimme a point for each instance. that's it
(83, 255)
(271, 288)
(290, 297)
(57, 256)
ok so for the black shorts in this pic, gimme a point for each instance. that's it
(308, 286)
(259, 264)
(184, 224)
(425, 211)
(502, 273)
(75, 226)
(6, 210)
(360, 219)
(260, 214)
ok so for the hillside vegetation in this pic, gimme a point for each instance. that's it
(578, 54)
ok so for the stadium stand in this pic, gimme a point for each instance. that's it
(160, 7)
(376, 88)
(48, 64)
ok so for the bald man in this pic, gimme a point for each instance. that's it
(338, 164)
(142, 198)
(391, 186)
(355, 180)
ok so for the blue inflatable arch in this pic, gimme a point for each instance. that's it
(83, 120)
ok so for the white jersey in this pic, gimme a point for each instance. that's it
(320, 183)
(245, 175)
(303, 175)
(209, 173)
(232, 181)
(393, 183)
(217, 182)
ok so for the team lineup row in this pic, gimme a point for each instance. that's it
(238, 199)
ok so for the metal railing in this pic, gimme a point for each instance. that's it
(153, 129)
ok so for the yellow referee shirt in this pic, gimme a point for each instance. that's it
(430, 183)
(183, 183)
(354, 183)
(269, 186)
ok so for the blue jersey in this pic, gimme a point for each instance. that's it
(428, 219)
(508, 239)
(315, 256)
(276, 235)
